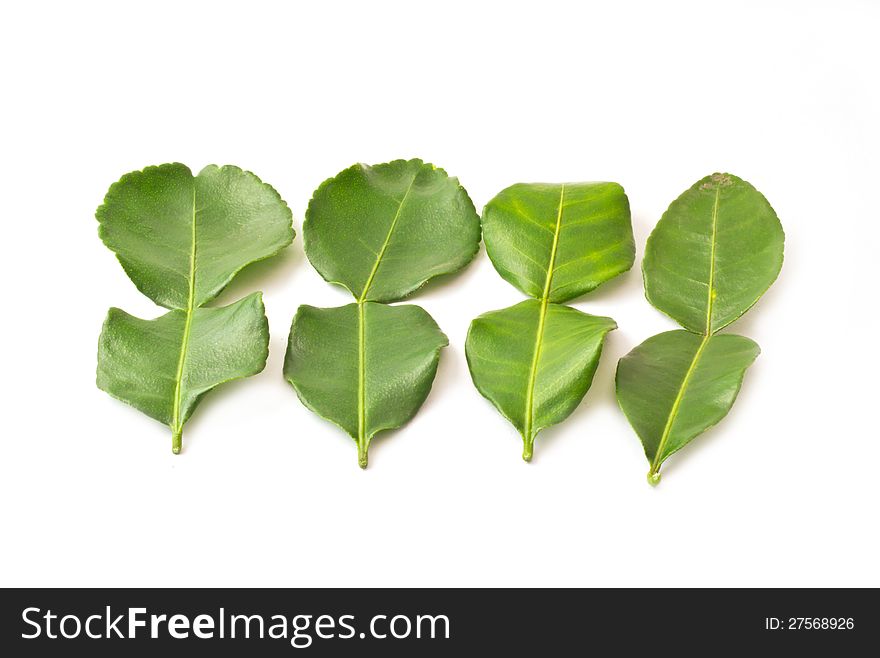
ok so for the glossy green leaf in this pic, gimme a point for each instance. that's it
(138, 360)
(559, 241)
(677, 384)
(181, 239)
(713, 254)
(382, 231)
(535, 362)
(366, 367)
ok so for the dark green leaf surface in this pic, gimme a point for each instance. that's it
(713, 254)
(367, 367)
(675, 385)
(181, 239)
(138, 360)
(559, 241)
(535, 362)
(382, 231)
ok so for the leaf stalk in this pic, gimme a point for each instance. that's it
(528, 446)
(362, 453)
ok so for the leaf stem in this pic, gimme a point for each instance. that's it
(362, 453)
(528, 446)
(176, 440)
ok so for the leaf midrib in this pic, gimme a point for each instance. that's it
(673, 412)
(363, 296)
(362, 346)
(679, 397)
(176, 424)
(539, 336)
(362, 395)
(710, 302)
(711, 293)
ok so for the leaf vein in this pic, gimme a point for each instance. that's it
(176, 424)
(676, 404)
(539, 337)
(385, 244)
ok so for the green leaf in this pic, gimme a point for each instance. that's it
(181, 239)
(535, 362)
(366, 367)
(382, 231)
(713, 254)
(559, 241)
(139, 360)
(677, 384)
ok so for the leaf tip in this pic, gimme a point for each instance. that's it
(717, 180)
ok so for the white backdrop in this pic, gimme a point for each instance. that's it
(652, 95)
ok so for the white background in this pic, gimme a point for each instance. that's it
(652, 95)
